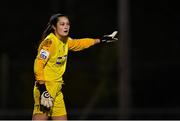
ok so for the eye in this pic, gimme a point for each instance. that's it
(68, 23)
(62, 24)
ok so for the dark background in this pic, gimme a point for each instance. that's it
(92, 78)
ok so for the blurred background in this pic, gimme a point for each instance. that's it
(134, 78)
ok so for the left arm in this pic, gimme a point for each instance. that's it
(80, 44)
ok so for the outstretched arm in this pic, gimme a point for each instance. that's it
(80, 44)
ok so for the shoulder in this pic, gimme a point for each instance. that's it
(70, 39)
(47, 42)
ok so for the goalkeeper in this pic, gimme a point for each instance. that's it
(50, 65)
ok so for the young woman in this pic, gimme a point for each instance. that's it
(50, 65)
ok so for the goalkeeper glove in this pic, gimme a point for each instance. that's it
(46, 101)
(109, 38)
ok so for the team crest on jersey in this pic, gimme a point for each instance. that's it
(61, 60)
(44, 54)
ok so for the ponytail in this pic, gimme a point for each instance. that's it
(47, 31)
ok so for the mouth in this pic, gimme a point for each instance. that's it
(66, 31)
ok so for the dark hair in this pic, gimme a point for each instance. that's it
(52, 22)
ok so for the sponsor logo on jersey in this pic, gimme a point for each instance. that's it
(61, 60)
(44, 54)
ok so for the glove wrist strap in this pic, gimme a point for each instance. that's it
(41, 87)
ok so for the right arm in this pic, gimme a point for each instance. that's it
(44, 52)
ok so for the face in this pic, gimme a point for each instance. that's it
(62, 27)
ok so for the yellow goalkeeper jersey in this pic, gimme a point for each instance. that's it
(50, 62)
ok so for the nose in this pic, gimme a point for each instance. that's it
(66, 28)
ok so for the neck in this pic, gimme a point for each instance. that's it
(62, 38)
